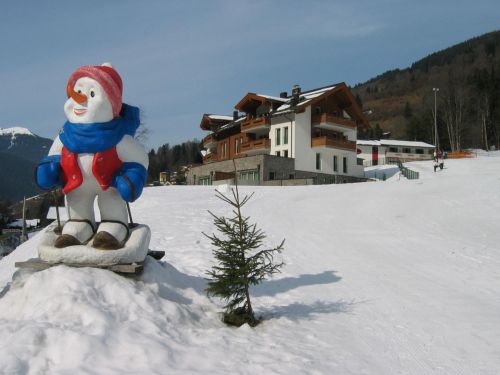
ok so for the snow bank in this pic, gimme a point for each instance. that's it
(380, 278)
(66, 318)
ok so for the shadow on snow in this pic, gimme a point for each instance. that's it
(296, 311)
(273, 287)
(169, 280)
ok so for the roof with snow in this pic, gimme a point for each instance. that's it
(367, 142)
(394, 142)
(307, 96)
(280, 105)
(220, 117)
(209, 121)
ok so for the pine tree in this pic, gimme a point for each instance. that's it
(240, 263)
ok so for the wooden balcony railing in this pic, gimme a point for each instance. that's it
(209, 140)
(333, 143)
(255, 123)
(259, 145)
(209, 158)
(326, 118)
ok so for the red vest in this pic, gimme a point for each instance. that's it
(104, 166)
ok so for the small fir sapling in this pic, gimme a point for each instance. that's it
(240, 261)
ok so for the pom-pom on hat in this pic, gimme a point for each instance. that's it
(108, 78)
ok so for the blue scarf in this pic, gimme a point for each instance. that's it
(100, 136)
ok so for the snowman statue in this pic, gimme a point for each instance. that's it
(94, 156)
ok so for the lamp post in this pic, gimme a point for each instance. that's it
(436, 139)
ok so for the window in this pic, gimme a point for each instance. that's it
(285, 135)
(237, 146)
(205, 180)
(335, 164)
(278, 137)
(223, 150)
(278, 153)
(318, 161)
(393, 149)
(285, 153)
(251, 175)
(407, 150)
(345, 165)
(419, 151)
(291, 176)
(271, 175)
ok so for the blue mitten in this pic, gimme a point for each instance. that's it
(48, 173)
(130, 180)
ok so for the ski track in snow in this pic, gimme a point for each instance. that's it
(394, 277)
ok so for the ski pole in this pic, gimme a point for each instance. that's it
(58, 229)
(130, 215)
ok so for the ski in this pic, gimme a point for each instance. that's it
(135, 268)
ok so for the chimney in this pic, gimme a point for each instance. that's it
(296, 92)
(235, 115)
(283, 95)
(295, 95)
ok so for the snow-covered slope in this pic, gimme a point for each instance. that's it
(394, 277)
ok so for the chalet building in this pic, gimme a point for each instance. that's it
(306, 137)
(380, 152)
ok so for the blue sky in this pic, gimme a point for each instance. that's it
(181, 59)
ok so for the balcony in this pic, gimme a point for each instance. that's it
(258, 125)
(209, 142)
(333, 143)
(331, 122)
(210, 158)
(260, 146)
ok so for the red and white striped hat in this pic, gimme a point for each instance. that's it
(108, 78)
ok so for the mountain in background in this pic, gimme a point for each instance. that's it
(20, 151)
(401, 101)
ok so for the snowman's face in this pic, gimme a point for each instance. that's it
(96, 107)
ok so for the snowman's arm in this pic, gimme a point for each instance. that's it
(131, 151)
(132, 175)
(48, 173)
(56, 147)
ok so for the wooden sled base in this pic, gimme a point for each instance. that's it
(131, 268)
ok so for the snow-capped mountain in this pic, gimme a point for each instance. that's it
(20, 150)
(16, 130)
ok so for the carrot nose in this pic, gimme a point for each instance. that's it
(79, 98)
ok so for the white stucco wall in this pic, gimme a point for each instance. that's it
(327, 156)
(366, 152)
(281, 123)
(299, 146)
(384, 152)
(306, 155)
